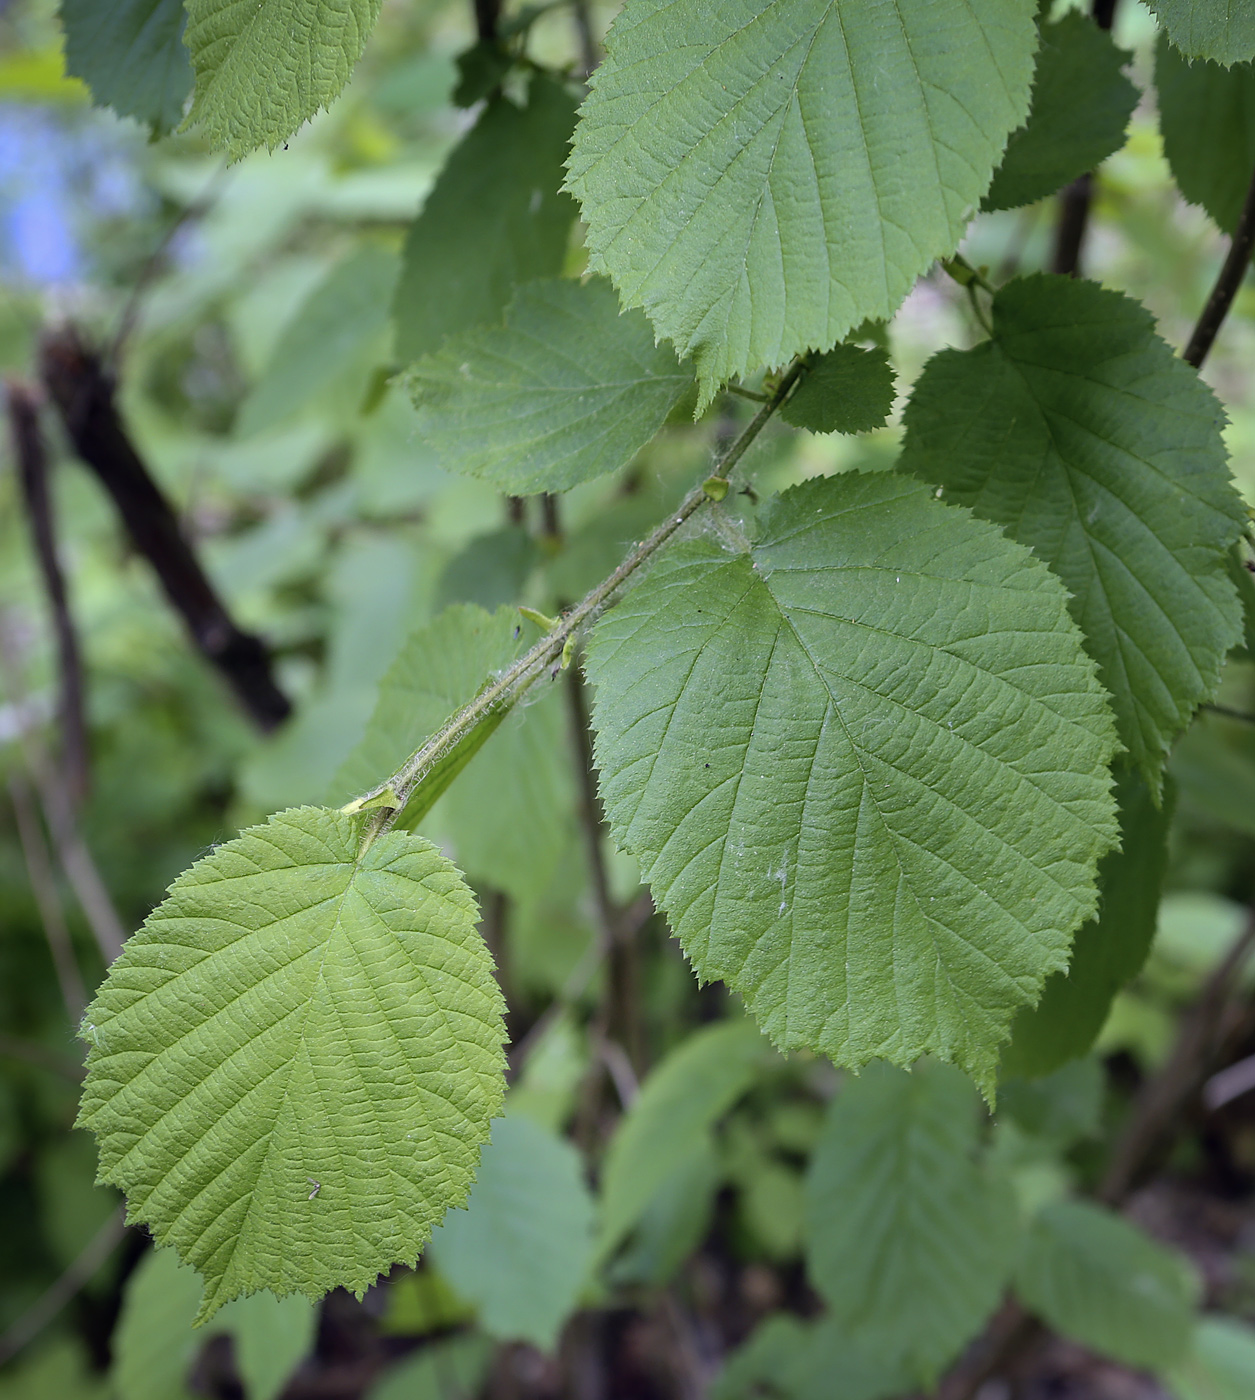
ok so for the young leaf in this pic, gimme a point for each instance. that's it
(693, 1087)
(294, 1061)
(494, 219)
(567, 390)
(910, 1239)
(522, 1248)
(1109, 950)
(272, 1335)
(264, 67)
(1096, 1279)
(1220, 1364)
(344, 315)
(130, 53)
(442, 665)
(1078, 430)
(1220, 30)
(762, 176)
(1207, 119)
(848, 390)
(862, 766)
(1081, 107)
(155, 1344)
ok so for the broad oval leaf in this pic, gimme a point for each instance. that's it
(1078, 430)
(863, 766)
(1220, 30)
(1082, 103)
(568, 389)
(911, 1239)
(293, 1063)
(130, 53)
(764, 175)
(521, 1249)
(264, 67)
(1207, 120)
(1098, 1280)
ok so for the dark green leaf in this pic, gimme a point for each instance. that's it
(1220, 30)
(130, 53)
(494, 219)
(847, 390)
(1082, 103)
(1081, 432)
(568, 389)
(1110, 950)
(490, 571)
(1207, 118)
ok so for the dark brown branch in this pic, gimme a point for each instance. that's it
(83, 391)
(1232, 272)
(31, 454)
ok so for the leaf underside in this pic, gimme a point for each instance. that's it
(863, 766)
(567, 390)
(293, 1063)
(1078, 430)
(1220, 30)
(264, 67)
(130, 53)
(762, 176)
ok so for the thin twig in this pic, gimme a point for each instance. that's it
(47, 900)
(1229, 280)
(1227, 711)
(487, 18)
(31, 455)
(512, 683)
(33, 1321)
(585, 42)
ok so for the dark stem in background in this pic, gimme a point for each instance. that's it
(1232, 271)
(585, 42)
(31, 454)
(487, 15)
(1076, 198)
(83, 391)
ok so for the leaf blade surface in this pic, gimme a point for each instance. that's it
(130, 53)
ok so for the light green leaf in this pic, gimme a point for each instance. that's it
(1207, 120)
(495, 219)
(909, 1238)
(863, 768)
(1096, 1279)
(795, 1360)
(674, 1223)
(294, 1061)
(848, 390)
(272, 1336)
(155, 1344)
(441, 1371)
(764, 175)
(1081, 432)
(264, 67)
(521, 1250)
(1220, 1364)
(130, 53)
(1082, 103)
(671, 1118)
(439, 668)
(343, 317)
(567, 390)
(1220, 30)
(1110, 950)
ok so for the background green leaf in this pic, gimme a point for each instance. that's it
(1081, 107)
(130, 53)
(1220, 1364)
(264, 67)
(909, 1238)
(1098, 1280)
(568, 389)
(763, 176)
(271, 1337)
(872, 742)
(155, 1342)
(495, 219)
(1207, 119)
(521, 1249)
(1078, 430)
(247, 1048)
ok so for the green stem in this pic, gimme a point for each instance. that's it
(506, 689)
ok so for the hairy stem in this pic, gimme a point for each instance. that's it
(547, 654)
(1232, 271)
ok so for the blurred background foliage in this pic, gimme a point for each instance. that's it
(251, 309)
